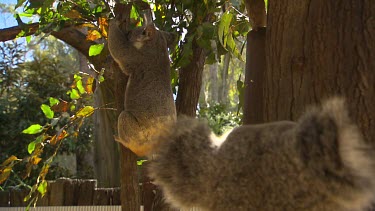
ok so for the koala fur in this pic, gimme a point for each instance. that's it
(142, 53)
(318, 163)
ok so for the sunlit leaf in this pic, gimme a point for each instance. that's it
(28, 39)
(101, 79)
(103, 25)
(57, 138)
(73, 94)
(44, 171)
(35, 160)
(93, 35)
(85, 111)
(31, 147)
(224, 27)
(89, 85)
(231, 44)
(47, 111)
(53, 101)
(72, 107)
(33, 129)
(4, 174)
(80, 87)
(42, 188)
(140, 162)
(95, 49)
(9, 160)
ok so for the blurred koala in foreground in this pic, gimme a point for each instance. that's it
(318, 163)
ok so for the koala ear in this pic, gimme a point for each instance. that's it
(170, 38)
(149, 31)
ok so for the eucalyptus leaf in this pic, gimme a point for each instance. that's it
(33, 129)
(95, 49)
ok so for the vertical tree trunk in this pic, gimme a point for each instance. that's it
(318, 49)
(223, 99)
(190, 82)
(254, 77)
(107, 160)
(213, 83)
(130, 193)
(255, 62)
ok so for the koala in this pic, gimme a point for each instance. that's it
(142, 54)
(319, 163)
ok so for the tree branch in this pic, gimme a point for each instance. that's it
(69, 34)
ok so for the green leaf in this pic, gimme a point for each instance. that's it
(53, 101)
(85, 111)
(42, 188)
(28, 39)
(95, 49)
(140, 162)
(73, 94)
(31, 147)
(101, 79)
(33, 129)
(232, 46)
(80, 87)
(47, 111)
(224, 27)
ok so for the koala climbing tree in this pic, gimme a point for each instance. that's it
(320, 162)
(142, 54)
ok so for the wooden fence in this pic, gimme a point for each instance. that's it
(65, 192)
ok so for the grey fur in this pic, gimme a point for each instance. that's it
(317, 163)
(143, 55)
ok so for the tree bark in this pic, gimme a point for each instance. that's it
(254, 77)
(317, 49)
(190, 82)
(255, 63)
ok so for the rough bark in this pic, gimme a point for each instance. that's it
(190, 82)
(107, 159)
(255, 62)
(317, 49)
(256, 10)
(254, 77)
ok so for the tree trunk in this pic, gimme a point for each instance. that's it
(317, 49)
(223, 96)
(107, 160)
(190, 82)
(213, 83)
(254, 77)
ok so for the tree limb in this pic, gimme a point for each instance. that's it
(69, 34)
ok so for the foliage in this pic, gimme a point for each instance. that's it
(219, 119)
(25, 87)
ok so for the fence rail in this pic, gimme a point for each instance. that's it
(65, 192)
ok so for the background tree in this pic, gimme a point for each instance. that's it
(320, 51)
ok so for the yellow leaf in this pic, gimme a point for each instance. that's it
(85, 111)
(35, 160)
(4, 174)
(44, 172)
(89, 85)
(103, 25)
(93, 35)
(9, 160)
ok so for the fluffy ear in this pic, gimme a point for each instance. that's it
(149, 31)
(170, 38)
